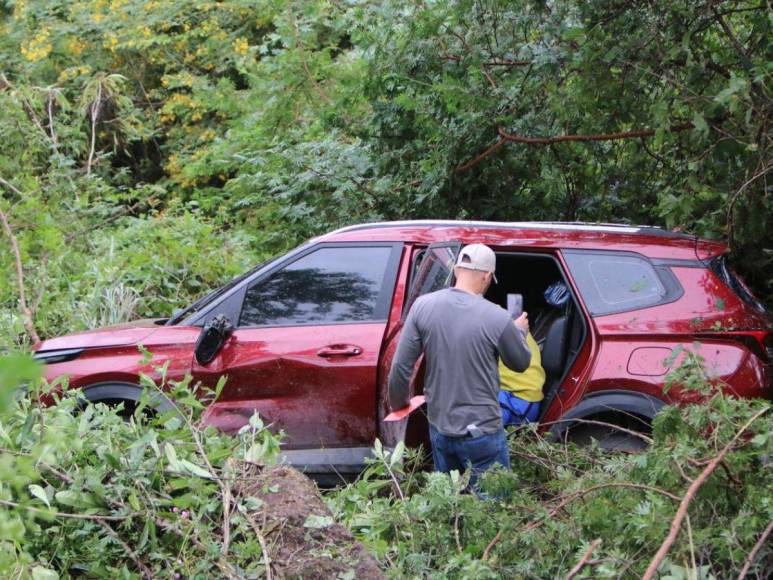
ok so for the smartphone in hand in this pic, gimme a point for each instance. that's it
(515, 305)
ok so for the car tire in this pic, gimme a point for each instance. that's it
(607, 438)
(113, 394)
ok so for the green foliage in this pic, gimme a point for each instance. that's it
(558, 499)
(154, 149)
(92, 493)
(15, 370)
(260, 123)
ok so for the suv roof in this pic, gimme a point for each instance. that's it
(648, 240)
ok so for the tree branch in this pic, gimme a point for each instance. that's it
(591, 137)
(480, 157)
(750, 558)
(146, 573)
(491, 544)
(50, 107)
(585, 560)
(263, 546)
(26, 105)
(578, 494)
(11, 187)
(631, 432)
(26, 312)
(493, 62)
(747, 64)
(676, 524)
(94, 114)
(504, 137)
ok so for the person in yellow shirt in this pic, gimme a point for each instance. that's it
(520, 395)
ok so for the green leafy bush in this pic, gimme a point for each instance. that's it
(92, 493)
(558, 499)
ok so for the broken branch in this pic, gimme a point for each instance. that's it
(676, 524)
(492, 543)
(750, 558)
(585, 560)
(578, 494)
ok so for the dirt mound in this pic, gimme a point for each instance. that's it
(298, 529)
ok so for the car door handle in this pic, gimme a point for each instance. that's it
(334, 350)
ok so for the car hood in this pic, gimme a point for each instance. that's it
(118, 335)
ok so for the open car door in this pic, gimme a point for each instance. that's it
(433, 270)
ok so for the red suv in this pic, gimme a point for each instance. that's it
(307, 339)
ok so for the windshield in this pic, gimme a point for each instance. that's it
(207, 299)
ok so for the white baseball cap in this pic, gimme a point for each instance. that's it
(478, 257)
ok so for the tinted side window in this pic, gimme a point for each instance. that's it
(433, 270)
(617, 283)
(326, 286)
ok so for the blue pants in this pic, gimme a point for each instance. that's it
(480, 453)
(516, 411)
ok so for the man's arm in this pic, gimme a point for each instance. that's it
(408, 351)
(513, 349)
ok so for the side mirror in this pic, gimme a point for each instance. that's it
(212, 338)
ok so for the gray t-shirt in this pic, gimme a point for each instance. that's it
(462, 336)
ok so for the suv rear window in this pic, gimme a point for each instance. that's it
(613, 282)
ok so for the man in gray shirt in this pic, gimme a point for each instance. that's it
(462, 335)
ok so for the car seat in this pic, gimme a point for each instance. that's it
(551, 331)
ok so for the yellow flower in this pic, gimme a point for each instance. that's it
(111, 42)
(75, 45)
(18, 11)
(73, 72)
(38, 47)
(241, 46)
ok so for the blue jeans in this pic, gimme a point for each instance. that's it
(480, 453)
(516, 411)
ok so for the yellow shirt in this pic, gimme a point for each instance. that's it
(528, 384)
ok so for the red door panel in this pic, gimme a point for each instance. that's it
(316, 383)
